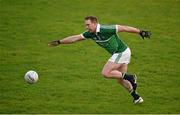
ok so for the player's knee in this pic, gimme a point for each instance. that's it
(105, 73)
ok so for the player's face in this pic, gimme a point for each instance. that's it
(90, 26)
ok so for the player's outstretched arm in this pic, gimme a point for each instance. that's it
(67, 40)
(142, 33)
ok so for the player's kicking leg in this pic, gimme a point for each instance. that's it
(133, 80)
(110, 70)
(116, 68)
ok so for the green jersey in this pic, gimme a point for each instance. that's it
(106, 36)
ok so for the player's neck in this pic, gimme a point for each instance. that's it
(96, 28)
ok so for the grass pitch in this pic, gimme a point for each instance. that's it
(69, 75)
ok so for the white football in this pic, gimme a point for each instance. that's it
(31, 77)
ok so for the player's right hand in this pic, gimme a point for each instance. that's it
(54, 43)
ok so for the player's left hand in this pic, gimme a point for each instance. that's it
(54, 43)
(145, 34)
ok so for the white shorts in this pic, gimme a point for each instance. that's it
(123, 57)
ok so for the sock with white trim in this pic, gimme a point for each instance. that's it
(134, 94)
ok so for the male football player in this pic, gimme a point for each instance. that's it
(107, 37)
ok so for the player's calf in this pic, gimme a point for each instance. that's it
(114, 74)
(131, 78)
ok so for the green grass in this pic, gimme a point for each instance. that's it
(70, 79)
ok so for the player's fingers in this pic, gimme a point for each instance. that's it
(50, 44)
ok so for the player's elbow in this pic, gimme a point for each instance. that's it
(76, 38)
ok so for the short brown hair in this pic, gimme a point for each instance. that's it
(92, 18)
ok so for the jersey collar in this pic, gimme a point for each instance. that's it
(98, 28)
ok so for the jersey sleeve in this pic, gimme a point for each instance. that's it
(111, 29)
(86, 35)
